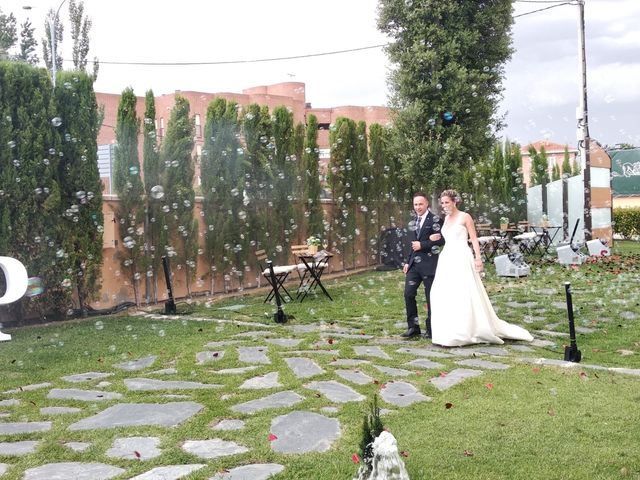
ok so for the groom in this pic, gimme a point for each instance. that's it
(422, 263)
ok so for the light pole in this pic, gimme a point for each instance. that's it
(52, 31)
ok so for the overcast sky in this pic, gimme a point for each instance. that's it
(541, 84)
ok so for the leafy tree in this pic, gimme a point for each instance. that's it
(372, 427)
(311, 180)
(555, 172)
(298, 189)
(515, 193)
(52, 19)
(28, 44)
(539, 166)
(576, 168)
(360, 192)
(566, 163)
(155, 235)
(8, 34)
(128, 186)
(179, 194)
(80, 28)
(75, 103)
(449, 58)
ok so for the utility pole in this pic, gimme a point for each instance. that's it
(583, 126)
(52, 31)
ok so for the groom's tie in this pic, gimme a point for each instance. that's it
(418, 225)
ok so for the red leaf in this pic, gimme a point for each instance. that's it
(468, 453)
(383, 385)
(448, 405)
(404, 453)
(535, 370)
(583, 376)
(272, 437)
(489, 386)
(443, 374)
(355, 458)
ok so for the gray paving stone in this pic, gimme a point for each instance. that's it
(151, 384)
(330, 409)
(253, 355)
(454, 377)
(585, 330)
(402, 394)
(136, 414)
(9, 402)
(533, 318)
(302, 432)
(270, 380)
(354, 376)
(58, 410)
(628, 371)
(424, 352)
(169, 472)
(85, 377)
(276, 400)
(134, 448)
(495, 351)
(253, 334)
(3, 468)
(14, 428)
(476, 362)
(521, 305)
(83, 395)
(371, 351)
(77, 446)
(284, 342)
(73, 470)
(18, 449)
(538, 342)
(164, 371)
(551, 333)
(521, 348)
(213, 448)
(561, 305)
(304, 367)
(319, 351)
(4, 414)
(233, 308)
(359, 336)
(394, 372)
(424, 363)
(256, 471)
(628, 315)
(208, 357)
(229, 424)
(313, 327)
(235, 371)
(349, 362)
(545, 291)
(139, 364)
(336, 391)
(28, 388)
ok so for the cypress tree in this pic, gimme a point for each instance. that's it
(81, 188)
(566, 163)
(311, 181)
(360, 179)
(179, 195)
(28, 44)
(129, 188)
(298, 186)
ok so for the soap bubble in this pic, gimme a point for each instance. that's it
(157, 192)
(133, 170)
(35, 286)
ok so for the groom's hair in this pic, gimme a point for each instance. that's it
(420, 194)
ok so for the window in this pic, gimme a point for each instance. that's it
(161, 129)
(198, 125)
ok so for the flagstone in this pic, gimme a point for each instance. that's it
(539, 342)
(134, 448)
(488, 350)
(58, 410)
(137, 414)
(138, 364)
(628, 315)
(10, 402)
(253, 355)
(28, 388)
(229, 424)
(335, 353)
(394, 372)
(169, 472)
(77, 446)
(424, 363)
(233, 308)
(349, 362)
(287, 398)
(454, 377)
(103, 384)
(18, 449)
(313, 327)
(303, 367)
(234, 371)
(355, 376)
(165, 371)
(3, 468)
(424, 352)
(330, 409)
(584, 330)
(402, 394)
(521, 348)
(256, 471)
(74, 470)
(270, 380)
(551, 333)
(213, 448)
(369, 351)
(151, 384)
(253, 334)
(284, 342)
(533, 318)
(302, 432)
(521, 305)
(14, 428)
(349, 335)
(336, 391)
(476, 362)
(85, 377)
(83, 395)
(208, 357)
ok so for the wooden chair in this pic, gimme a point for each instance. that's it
(487, 241)
(280, 274)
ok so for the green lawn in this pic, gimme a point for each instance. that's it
(526, 422)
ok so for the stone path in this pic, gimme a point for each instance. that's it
(408, 372)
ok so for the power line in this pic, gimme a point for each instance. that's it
(543, 9)
(256, 60)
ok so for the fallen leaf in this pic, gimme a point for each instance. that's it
(376, 381)
(583, 376)
(448, 405)
(468, 453)
(383, 386)
(272, 437)
(404, 453)
(137, 454)
(551, 412)
(535, 370)
(489, 386)
(355, 458)
(443, 374)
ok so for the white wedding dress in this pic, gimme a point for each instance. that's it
(461, 312)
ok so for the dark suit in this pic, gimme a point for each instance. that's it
(422, 269)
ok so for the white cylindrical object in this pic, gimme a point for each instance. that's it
(16, 279)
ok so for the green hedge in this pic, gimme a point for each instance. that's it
(626, 221)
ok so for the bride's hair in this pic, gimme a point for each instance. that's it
(452, 194)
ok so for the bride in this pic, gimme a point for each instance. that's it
(461, 312)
